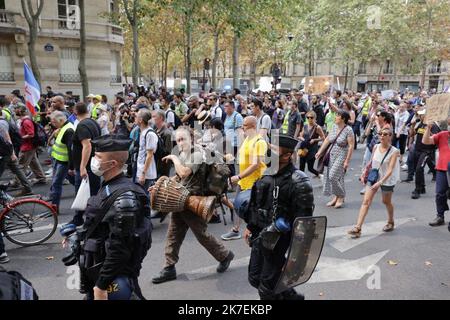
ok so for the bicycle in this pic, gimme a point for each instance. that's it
(26, 221)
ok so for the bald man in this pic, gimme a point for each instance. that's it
(251, 167)
(117, 233)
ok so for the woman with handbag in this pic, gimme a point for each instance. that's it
(310, 136)
(335, 153)
(382, 172)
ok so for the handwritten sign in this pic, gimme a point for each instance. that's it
(438, 107)
(387, 94)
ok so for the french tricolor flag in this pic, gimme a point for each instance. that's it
(32, 89)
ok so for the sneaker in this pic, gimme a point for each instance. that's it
(415, 195)
(4, 258)
(232, 235)
(166, 274)
(404, 167)
(363, 191)
(29, 174)
(438, 221)
(66, 182)
(223, 266)
(408, 180)
(49, 172)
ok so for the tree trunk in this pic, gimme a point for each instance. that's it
(236, 60)
(311, 62)
(188, 54)
(425, 61)
(82, 62)
(346, 76)
(32, 51)
(166, 63)
(32, 19)
(135, 69)
(215, 59)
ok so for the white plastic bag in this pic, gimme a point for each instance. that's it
(83, 195)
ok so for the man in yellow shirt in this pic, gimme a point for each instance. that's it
(251, 167)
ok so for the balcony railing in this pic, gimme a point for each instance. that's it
(6, 76)
(7, 17)
(116, 79)
(436, 69)
(69, 78)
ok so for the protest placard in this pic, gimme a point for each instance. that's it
(438, 107)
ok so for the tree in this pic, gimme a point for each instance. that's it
(82, 62)
(131, 11)
(32, 18)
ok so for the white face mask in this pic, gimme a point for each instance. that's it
(95, 167)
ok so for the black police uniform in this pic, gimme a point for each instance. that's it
(117, 233)
(295, 199)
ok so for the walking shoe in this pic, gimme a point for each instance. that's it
(166, 274)
(415, 194)
(404, 167)
(40, 182)
(23, 192)
(407, 180)
(49, 172)
(66, 182)
(28, 174)
(422, 191)
(363, 191)
(4, 258)
(223, 266)
(434, 178)
(438, 221)
(232, 235)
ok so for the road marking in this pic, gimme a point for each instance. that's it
(370, 231)
(207, 271)
(333, 269)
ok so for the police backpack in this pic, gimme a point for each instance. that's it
(13, 286)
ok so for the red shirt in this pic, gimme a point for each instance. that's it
(441, 140)
(27, 128)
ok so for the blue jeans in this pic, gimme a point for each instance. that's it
(94, 185)
(2, 244)
(59, 174)
(441, 192)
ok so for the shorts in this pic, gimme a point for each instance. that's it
(387, 189)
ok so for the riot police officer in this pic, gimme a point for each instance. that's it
(276, 201)
(117, 233)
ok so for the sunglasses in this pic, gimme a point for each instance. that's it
(309, 117)
(384, 134)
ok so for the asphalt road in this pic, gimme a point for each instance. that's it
(412, 262)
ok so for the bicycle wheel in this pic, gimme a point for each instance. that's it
(29, 222)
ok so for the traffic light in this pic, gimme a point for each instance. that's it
(206, 63)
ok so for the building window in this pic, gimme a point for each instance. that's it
(6, 65)
(435, 67)
(115, 67)
(2, 5)
(63, 8)
(388, 67)
(68, 65)
(362, 68)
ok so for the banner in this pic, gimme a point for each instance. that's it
(32, 89)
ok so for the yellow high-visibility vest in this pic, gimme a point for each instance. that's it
(94, 114)
(60, 151)
(37, 117)
(366, 106)
(285, 125)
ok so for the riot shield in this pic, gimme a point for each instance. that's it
(308, 237)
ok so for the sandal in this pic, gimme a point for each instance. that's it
(355, 232)
(388, 227)
(332, 203)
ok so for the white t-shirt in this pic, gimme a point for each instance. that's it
(216, 112)
(400, 119)
(170, 117)
(147, 141)
(103, 123)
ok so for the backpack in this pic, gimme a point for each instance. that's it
(177, 119)
(217, 172)
(13, 286)
(161, 151)
(5, 148)
(40, 137)
(14, 135)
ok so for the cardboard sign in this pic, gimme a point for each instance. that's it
(318, 84)
(438, 107)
